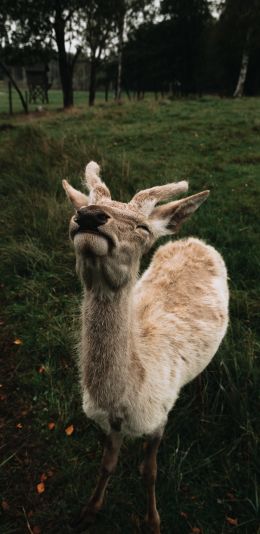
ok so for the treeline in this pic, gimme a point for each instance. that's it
(196, 49)
(178, 47)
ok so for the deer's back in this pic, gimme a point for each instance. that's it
(182, 307)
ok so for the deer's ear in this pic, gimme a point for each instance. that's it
(77, 198)
(166, 219)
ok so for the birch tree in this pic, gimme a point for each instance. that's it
(239, 90)
(243, 19)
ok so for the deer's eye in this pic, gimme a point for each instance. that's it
(143, 227)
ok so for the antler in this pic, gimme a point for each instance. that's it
(146, 200)
(97, 188)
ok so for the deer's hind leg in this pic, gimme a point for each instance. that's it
(148, 470)
(108, 465)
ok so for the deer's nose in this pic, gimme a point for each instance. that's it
(90, 218)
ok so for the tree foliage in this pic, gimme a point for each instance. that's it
(193, 46)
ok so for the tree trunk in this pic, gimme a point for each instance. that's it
(65, 68)
(239, 91)
(66, 75)
(92, 82)
(120, 57)
(7, 72)
(107, 82)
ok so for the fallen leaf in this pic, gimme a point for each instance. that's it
(69, 430)
(196, 530)
(231, 497)
(232, 521)
(43, 477)
(25, 412)
(19, 425)
(40, 487)
(51, 425)
(36, 530)
(5, 505)
(18, 341)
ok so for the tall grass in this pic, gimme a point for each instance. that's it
(208, 460)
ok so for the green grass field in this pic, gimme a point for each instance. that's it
(208, 459)
(55, 100)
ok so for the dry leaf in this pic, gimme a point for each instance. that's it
(19, 425)
(69, 430)
(196, 530)
(40, 487)
(43, 477)
(18, 341)
(231, 497)
(5, 505)
(51, 425)
(232, 521)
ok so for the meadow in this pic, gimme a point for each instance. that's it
(50, 452)
(55, 100)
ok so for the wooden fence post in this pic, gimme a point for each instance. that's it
(26, 98)
(10, 98)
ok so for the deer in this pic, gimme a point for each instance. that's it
(142, 337)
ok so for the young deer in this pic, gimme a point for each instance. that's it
(142, 339)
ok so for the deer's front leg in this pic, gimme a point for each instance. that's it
(149, 473)
(109, 462)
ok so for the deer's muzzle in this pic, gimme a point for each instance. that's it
(90, 218)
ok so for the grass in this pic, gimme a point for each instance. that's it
(55, 100)
(208, 460)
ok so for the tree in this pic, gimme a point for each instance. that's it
(65, 13)
(127, 14)
(5, 30)
(242, 19)
(49, 21)
(148, 59)
(189, 20)
(100, 27)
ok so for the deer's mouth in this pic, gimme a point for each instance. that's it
(76, 229)
(97, 241)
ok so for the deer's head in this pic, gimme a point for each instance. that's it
(110, 237)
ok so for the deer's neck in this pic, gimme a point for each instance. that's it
(107, 333)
